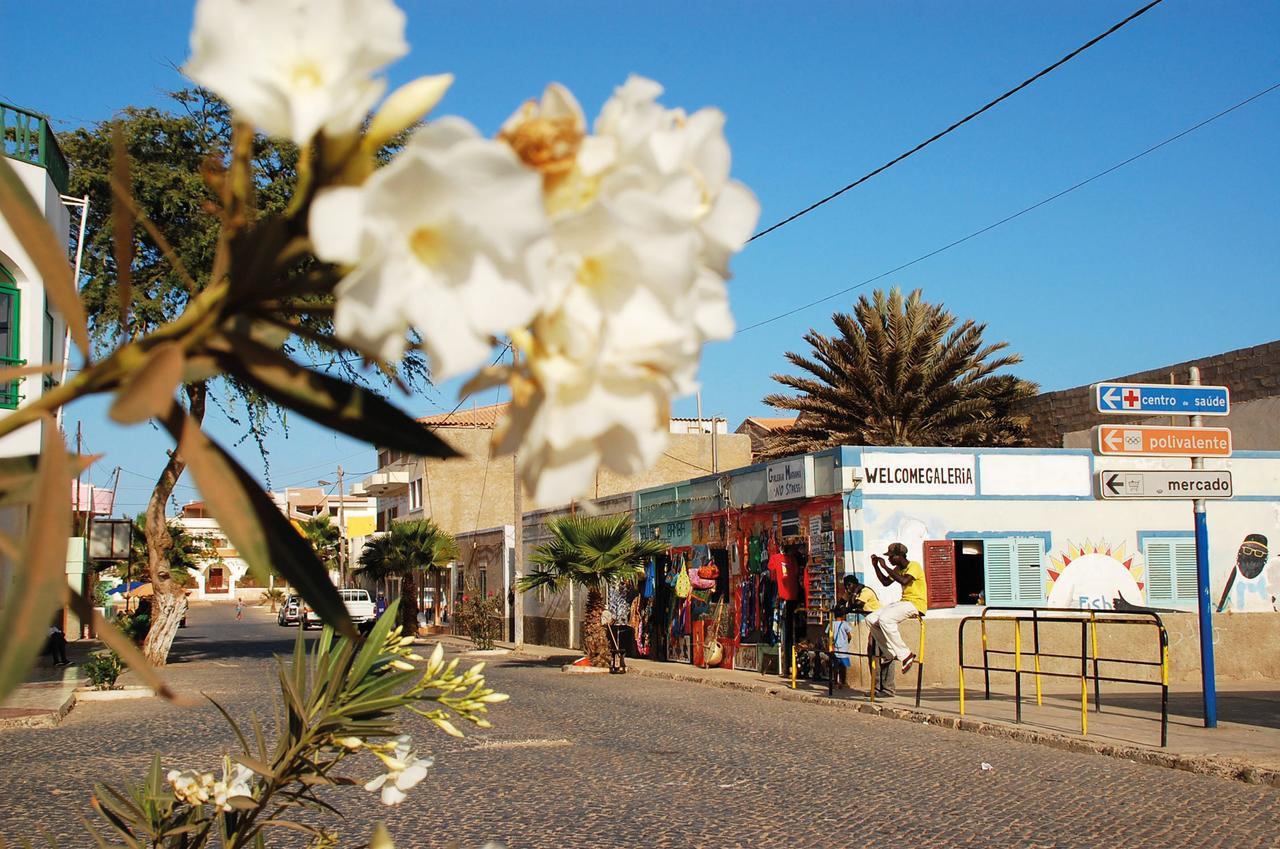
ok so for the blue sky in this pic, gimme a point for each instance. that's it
(1172, 257)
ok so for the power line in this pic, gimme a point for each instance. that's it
(501, 353)
(1017, 214)
(966, 119)
(687, 463)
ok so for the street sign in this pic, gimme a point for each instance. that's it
(1145, 399)
(1153, 441)
(1199, 483)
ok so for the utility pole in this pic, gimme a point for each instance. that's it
(80, 529)
(517, 548)
(342, 529)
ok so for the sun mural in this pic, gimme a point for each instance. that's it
(1092, 576)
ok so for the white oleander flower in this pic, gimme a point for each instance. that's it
(644, 219)
(294, 67)
(404, 770)
(236, 782)
(448, 239)
(191, 786)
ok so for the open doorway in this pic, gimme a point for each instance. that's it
(971, 577)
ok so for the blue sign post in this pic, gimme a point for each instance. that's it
(1147, 399)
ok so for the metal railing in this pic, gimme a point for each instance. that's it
(10, 398)
(27, 136)
(1088, 657)
(873, 660)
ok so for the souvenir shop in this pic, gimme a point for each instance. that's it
(751, 567)
(755, 555)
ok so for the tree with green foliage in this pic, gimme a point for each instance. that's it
(402, 552)
(325, 537)
(187, 552)
(174, 163)
(901, 371)
(593, 552)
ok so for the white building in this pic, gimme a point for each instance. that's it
(31, 330)
(225, 572)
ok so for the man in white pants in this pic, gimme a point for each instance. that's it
(884, 622)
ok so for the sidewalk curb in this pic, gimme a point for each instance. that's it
(1219, 767)
(33, 718)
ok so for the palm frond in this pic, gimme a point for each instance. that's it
(900, 371)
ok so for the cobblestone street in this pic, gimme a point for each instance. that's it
(606, 761)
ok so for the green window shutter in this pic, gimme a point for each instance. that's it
(1029, 574)
(1184, 570)
(10, 339)
(998, 564)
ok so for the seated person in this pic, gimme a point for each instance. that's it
(884, 622)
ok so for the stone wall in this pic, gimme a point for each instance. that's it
(472, 492)
(1252, 374)
(543, 631)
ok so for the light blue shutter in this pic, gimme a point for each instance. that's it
(1030, 572)
(1014, 570)
(1171, 570)
(998, 565)
(1184, 570)
(1159, 557)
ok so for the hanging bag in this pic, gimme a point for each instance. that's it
(683, 585)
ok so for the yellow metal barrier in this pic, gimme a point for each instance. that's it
(1090, 653)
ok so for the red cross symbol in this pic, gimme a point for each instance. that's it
(1132, 398)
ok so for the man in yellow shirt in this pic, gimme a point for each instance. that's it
(884, 622)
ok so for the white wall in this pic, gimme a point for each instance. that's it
(31, 288)
(1009, 500)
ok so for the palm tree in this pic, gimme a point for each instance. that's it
(403, 551)
(324, 536)
(901, 372)
(591, 551)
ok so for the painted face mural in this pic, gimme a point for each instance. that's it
(1251, 559)
(1092, 576)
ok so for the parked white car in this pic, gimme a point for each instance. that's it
(359, 608)
(290, 611)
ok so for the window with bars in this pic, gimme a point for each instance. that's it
(1014, 569)
(1170, 570)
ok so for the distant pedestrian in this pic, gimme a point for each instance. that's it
(239, 608)
(56, 646)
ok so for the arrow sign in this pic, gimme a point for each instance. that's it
(1152, 441)
(1162, 484)
(1112, 484)
(1146, 399)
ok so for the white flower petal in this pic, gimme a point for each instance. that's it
(334, 224)
(293, 66)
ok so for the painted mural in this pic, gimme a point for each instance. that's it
(1092, 576)
(1250, 578)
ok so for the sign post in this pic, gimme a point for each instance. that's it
(1203, 603)
(1196, 442)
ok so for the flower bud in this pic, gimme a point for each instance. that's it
(404, 108)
